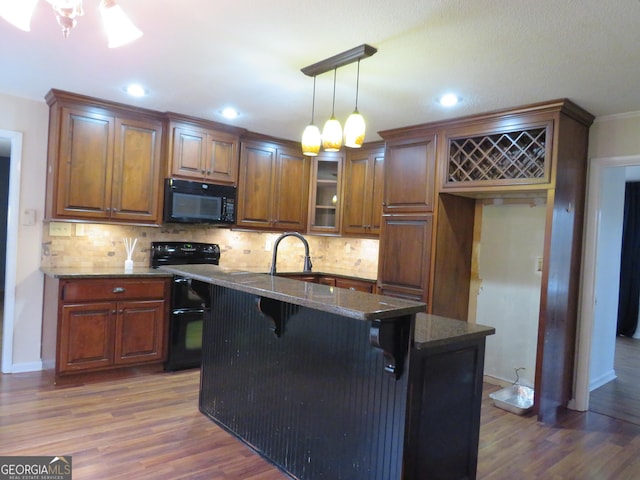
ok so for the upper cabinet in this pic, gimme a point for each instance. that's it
(104, 161)
(325, 204)
(201, 150)
(515, 155)
(409, 175)
(363, 190)
(273, 185)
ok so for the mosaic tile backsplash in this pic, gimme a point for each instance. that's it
(96, 245)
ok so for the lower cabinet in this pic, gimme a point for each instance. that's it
(350, 283)
(104, 324)
(405, 256)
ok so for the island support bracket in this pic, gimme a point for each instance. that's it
(278, 312)
(392, 337)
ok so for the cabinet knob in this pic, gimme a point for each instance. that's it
(118, 290)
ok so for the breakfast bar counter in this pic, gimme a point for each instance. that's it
(328, 383)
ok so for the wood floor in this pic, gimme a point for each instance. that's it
(149, 427)
(620, 398)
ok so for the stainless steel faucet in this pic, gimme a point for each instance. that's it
(307, 259)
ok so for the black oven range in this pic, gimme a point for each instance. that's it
(189, 300)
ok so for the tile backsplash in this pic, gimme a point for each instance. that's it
(96, 245)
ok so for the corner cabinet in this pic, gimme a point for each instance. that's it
(104, 161)
(273, 186)
(102, 324)
(363, 191)
(202, 151)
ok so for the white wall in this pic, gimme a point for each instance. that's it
(31, 118)
(511, 240)
(609, 241)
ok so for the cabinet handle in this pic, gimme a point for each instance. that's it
(118, 290)
(113, 312)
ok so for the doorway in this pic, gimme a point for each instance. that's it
(599, 351)
(12, 143)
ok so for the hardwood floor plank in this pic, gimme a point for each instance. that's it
(149, 427)
(620, 398)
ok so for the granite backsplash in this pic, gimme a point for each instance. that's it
(97, 245)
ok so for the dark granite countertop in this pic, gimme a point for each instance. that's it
(101, 272)
(433, 330)
(348, 303)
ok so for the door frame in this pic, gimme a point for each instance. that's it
(11, 247)
(585, 339)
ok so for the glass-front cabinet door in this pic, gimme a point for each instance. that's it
(326, 194)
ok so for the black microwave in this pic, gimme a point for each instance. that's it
(195, 202)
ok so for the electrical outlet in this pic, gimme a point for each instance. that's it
(267, 245)
(59, 229)
(79, 229)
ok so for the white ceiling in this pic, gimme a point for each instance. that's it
(197, 56)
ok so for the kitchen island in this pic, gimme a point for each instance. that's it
(329, 383)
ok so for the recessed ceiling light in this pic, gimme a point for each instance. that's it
(229, 113)
(449, 100)
(136, 90)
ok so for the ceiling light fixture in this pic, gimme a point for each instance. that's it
(311, 138)
(449, 100)
(120, 30)
(136, 90)
(230, 113)
(332, 136)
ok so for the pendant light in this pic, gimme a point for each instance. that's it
(332, 131)
(354, 127)
(332, 135)
(311, 139)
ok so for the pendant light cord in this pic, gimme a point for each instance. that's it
(333, 106)
(313, 102)
(357, 84)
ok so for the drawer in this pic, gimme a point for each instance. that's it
(358, 285)
(112, 289)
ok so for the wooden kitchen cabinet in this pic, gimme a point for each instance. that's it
(104, 161)
(405, 256)
(325, 203)
(354, 284)
(409, 175)
(101, 324)
(534, 151)
(363, 191)
(273, 186)
(202, 151)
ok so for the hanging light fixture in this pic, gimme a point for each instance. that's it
(354, 127)
(332, 136)
(332, 131)
(120, 30)
(311, 139)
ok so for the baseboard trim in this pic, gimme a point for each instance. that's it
(26, 367)
(602, 379)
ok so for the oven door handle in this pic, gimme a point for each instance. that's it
(186, 311)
